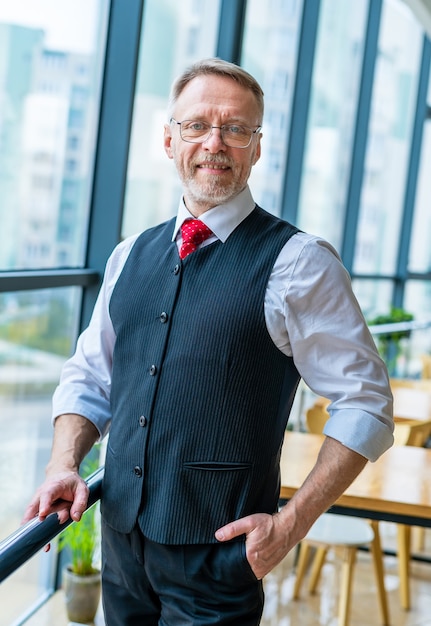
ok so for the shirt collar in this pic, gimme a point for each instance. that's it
(221, 219)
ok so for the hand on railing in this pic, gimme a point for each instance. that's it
(34, 535)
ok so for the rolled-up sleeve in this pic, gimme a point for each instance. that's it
(313, 316)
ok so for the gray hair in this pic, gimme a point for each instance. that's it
(216, 67)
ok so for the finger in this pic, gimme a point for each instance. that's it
(50, 504)
(80, 502)
(233, 529)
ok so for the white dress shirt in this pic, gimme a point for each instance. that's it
(311, 314)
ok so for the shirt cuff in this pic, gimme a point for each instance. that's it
(95, 409)
(360, 431)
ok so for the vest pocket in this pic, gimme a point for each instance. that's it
(216, 466)
(213, 493)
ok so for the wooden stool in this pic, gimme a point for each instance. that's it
(349, 533)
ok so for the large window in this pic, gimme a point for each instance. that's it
(174, 34)
(389, 138)
(333, 110)
(50, 81)
(276, 26)
(420, 250)
(49, 91)
(37, 329)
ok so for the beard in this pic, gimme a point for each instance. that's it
(212, 191)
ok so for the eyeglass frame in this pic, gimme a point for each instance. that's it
(220, 128)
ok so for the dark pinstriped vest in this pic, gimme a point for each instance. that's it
(200, 395)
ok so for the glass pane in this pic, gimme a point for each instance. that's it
(420, 249)
(37, 329)
(392, 114)
(20, 590)
(417, 300)
(50, 74)
(276, 26)
(335, 86)
(174, 34)
(374, 296)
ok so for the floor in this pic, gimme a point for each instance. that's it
(320, 609)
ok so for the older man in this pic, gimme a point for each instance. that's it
(201, 331)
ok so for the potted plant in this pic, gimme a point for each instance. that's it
(389, 344)
(81, 576)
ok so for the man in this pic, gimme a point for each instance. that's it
(191, 361)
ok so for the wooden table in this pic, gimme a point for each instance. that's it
(396, 488)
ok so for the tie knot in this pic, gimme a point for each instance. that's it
(193, 232)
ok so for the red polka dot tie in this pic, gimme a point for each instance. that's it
(193, 232)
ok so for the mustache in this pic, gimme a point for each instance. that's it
(214, 160)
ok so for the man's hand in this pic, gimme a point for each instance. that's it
(267, 543)
(65, 493)
(270, 537)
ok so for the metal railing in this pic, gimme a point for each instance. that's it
(402, 345)
(396, 327)
(31, 537)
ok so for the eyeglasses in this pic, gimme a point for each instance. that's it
(232, 135)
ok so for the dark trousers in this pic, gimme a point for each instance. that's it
(149, 584)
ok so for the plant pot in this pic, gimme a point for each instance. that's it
(82, 595)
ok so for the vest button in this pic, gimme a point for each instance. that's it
(143, 421)
(153, 370)
(163, 317)
(137, 471)
(177, 269)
